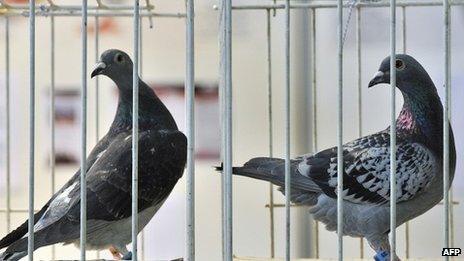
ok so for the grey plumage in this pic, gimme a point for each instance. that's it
(162, 156)
(367, 165)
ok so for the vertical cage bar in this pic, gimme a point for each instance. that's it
(404, 42)
(450, 106)
(7, 123)
(142, 233)
(451, 204)
(287, 131)
(450, 193)
(314, 112)
(135, 129)
(403, 28)
(222, 50)
(359, 70)
(451, 215)
(313, 80)
(97, 79)
(83, 214)
(447, 82)
(359, 94)
(30, 243)
(52, 113)
(393, 130)
(340, 131)
(226, 81)
(407, 238)
(140, 47)
(270, 127)
(190, 126)
(97, 89)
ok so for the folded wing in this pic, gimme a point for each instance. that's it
(161, 163)
(367, 169)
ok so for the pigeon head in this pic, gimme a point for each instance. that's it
(422, 112)
(411, 77)
(114, 64)
(118, 66)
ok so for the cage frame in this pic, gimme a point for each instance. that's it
(136, 11)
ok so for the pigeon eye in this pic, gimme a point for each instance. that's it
(399, 64)
(118, 58)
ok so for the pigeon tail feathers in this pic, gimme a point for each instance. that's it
(21, 230)
(273, 170)
(15, 251)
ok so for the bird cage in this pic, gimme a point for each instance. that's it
(289, 31)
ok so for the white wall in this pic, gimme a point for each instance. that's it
(164, 56)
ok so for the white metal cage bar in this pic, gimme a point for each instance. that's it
(7, 125)
(79, 7)
(141, 237)
(313, 57)
(314, 113)
(393, 130)
(403, 29)
(135, 130)
(359, 93)
(404, 44)
(83, 183)
(97, 87)
(97, 79)
(340, 130)
(321, 4)
(226, 130)
(52, 114)
(287, 131)
(99, 14)
(30, 245)
(100, 10)
(446, 129)
(270, 128)
(190, 131)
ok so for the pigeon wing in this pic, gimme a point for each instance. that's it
(19, 232)
(367, 169)
(162, 156)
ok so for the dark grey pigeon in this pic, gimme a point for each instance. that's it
(367, 165)
(162, 156)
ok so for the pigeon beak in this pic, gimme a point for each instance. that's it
(99, 67)
(379, 77)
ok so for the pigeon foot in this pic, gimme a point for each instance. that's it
(115, 253)
(382, 256)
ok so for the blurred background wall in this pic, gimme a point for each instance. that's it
(163, 51)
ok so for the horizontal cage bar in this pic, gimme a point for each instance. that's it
(94, 14)
(333, 4)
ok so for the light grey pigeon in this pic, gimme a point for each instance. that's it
(162, 157)
(367, 165)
